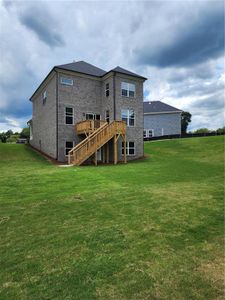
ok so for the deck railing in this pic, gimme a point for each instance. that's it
(88, 126)
(95, 141)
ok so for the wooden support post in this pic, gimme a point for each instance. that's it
(115, 150)
(125, 149)
(107, 152)
(96, 158)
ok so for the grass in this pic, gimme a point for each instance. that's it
(151, 229)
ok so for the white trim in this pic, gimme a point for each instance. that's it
(67, 148)
(107, 89)
(128, 148)
(66, 78)
(128, 110)
(94, 115)
(128, 89)
(163, 112)
(147, 132)
(68, 116)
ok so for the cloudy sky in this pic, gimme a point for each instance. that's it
(177, 45)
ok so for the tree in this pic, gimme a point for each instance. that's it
(9, 133)
(221, 130)
(202, 130)
(25, 133)
(3, 137)
(185, 120)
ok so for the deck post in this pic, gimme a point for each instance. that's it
(96, 158)
(125, 149)
(115, 150)
(107, 152)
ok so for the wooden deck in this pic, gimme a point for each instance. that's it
(88, 126)
(97, 139)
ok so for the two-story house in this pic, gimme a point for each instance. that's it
(81, 113)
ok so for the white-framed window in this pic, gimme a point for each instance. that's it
(130, 148)
(31, 131)
(128, 116)
(90, 116)
(44, 97)
(145, 133)
(68, 146)
(148, 133)
(127, 89)
(68, 115)
(107, 90)
(107, 117)
(66, 81)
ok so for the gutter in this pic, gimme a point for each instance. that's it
(57, 117)
(114, 96)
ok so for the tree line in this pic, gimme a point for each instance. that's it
(186, 120)
(11, 137)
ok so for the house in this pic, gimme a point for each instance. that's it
(82, 113)
(161, 119)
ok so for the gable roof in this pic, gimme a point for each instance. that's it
(83, 67)
(87, 69)
(159, 107)
(118, 69)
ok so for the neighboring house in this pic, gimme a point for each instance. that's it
(80, 111)
(161, 119)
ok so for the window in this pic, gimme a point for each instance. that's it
(145, 133)
(127, 89)
(107, 89)
(69, 116)
(44, 97)
(127, 115)
(66, 81)
(130, 148)
(107, 116)
(68, 147)
(148, 133)
(93, 117)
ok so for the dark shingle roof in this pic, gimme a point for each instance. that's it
(88, 69)
(158, 106)
(83, 67)
(123, 71)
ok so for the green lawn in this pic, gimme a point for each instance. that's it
(151, 229)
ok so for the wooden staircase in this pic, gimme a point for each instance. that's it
(92, 143)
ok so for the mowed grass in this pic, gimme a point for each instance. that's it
(151, 229)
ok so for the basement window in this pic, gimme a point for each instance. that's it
(66, 81)
(148, 133)
(69, 115)
(130, 148)
(68, 147)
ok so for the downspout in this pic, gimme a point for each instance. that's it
(57, 104)
(114, 95)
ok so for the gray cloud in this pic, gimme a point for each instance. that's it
(194, 41)
(43, 25)
(174, 44)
